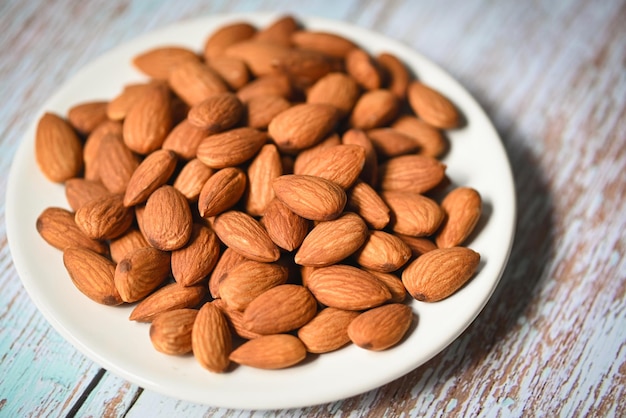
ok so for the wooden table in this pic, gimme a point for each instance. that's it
(551, 75)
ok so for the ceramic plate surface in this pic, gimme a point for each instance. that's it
(104, 334)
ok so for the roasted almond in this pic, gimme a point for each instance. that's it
(167, 221)
(462, 208)
(411, 173)
(247, 280)
(327, 331)
(158, 62)
(58, 150)
(381, 328)
(153, 172)
(413, 214)
(286, 229)
(211, 339)
(170, 332)
(276, 351)
(140, 272)
(230, 148)
(221, 191)
(167, 298)
(57, 226)
(92, 274)
(302, 126)
(244, 234)
(432, 106)
(194, 262)
(311, 197)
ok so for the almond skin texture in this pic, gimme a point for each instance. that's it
(148, 121)
(418, 245)
(235, 320)
(325, 42)
(127, 243)
(58, 228)
(153, 172)
(194, 81)
(221, 191)
(244, 234)
(79, 191)
(232, 70)
(140, 272)
(104, 218)
(432, 106)
(167, 298)
(211, 339)
(305, 156)
(85, 117)
(225, 36)
(430, 139)
(341, 164)
(393, 283)
(381, 328)
(439, 273)
(92, 274)
(260, 110)
(265, 167)
(365, 201)
(331, 241)
(411, 173)
(193, 263)
(361, 66)
(390, 143)
(374, 109)
(336, 89)
(118, 107)
(369, 173)
(327, 331)
(216, 113)
(413, 214)
(383, 252)
(158, 62)
(247, 280)
(191, 178)
(311, 197)
(302, 126)
(230, 148)
(270, 352)
(285, 228)
(229, 259)
(58, 150)
(184, 140)
(170, 332)
(279, 31)
(116, 163)
(268, 85)
(167, 221)
(462, 207)
(398, 76)
(91, 149)
(347, 287)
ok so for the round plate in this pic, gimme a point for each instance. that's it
(104, 334)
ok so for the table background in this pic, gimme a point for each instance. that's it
(551, 75)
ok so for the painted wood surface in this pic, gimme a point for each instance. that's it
(551, 75)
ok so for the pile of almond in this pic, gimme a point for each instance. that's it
(276, 194)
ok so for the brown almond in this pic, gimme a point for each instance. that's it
(268, 85)
(393, 283)
(332, 241)
(158, 62)
(398, 76)
(57, 226)
(230, 148)
(247, 280)
(369, 173)
(153, 172)
(381, 328)
(305, 67)
(194, 262)
(216, 113)
(226, 36)
(79, 191)
(167, 298)
(346, 287)
(86, 116)
(411, 173)
(261, 109)
(324, 42)
(58, 150)
(327, 331)
(167, 221)
(232, 70)
(260, 57)
(439, 273)
(462, 207)
(374, 109)
(281, 308)
(195, 81)
(365, 201)
(221, 191)
(228, 260)
(413, 214)
(302, 126)
(430, 140)
(191, 178)
(262, 171)
(305, 156)
(286, 229)
(118, 107)
(244, 234)
(126, 243)
(116, 163)
(390, 143)
(92, 274)
(383, 252)
(184, 139)
(279, 31)
(91, 150)
(140, 272)
(336, 89)
(311, 197)
(104, 218)
(211, 339)
(170, 332)
(341, 164)
(418, 245)
(432, 106)
(148, 121)
(277, 351)
(235, 320)
(364, 69)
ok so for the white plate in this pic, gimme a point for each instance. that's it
(105, 334)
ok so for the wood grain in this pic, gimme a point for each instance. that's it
(551, 75)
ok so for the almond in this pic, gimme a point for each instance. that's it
(262, 171)
(341, 164)
(374, 109)
(347, 287)
(390, 143)
(184, 139)
(225, 36)
(58, 150)
(79, 191)
(418, 245)
(413, 214)
(85, 117)
(235, 320)
(247, 280)
(118, 107)
(393, 283)
(462, 207)
(361, 67)
(105, 217)
(170, 332)
(365, 201)
(305, 67)
(261, 109)
(216, 113)
(260, 57)
(327, 331)
(158, 62)
(332, 241)
(279, 31)
(311, 197)
(336, 89)
(381, 328)
(229, 259)
(280, 309)
(397, 74)
(194, 262)
(270, 352)
(91, 150)
(303, 158)
(411, 173)
(153, 172)
(170, 297)
(92, 274)
(244, 234)
(439, 273)
(232, 70)
(268, 85)
(324, 42)
(383, 252)
(430, 140)
(302, 126)
(432, 106)
(58, 228)
(127, 243)
(192, 178)
(286, 229)
(221, 191)
(167, 221)
(369, 173)
(211, 339)
(140, 272)
(148, 121)
(194, 81)
(116, 163)
(231, 148)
